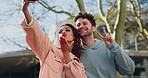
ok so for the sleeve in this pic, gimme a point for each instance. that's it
(75, 69)
(31, 22)
(124, 63)
(36, 39)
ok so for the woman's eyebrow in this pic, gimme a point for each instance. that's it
(60, 30)
(67, 28)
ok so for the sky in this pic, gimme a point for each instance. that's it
(11, 32)
(11, 17)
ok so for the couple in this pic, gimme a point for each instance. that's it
(100, 59)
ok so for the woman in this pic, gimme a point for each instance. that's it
(54, 60)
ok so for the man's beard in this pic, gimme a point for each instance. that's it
(87, 33)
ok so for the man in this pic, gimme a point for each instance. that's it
(101, 59)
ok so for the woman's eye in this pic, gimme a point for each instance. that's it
(67, 30)
(60, 32)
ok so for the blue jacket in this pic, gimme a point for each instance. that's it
(103, 61)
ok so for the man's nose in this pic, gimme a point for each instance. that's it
(81, 26)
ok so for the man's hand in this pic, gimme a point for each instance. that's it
(107, 38)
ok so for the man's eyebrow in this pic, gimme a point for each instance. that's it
(85, 21)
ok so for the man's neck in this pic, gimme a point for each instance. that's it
(88, 41)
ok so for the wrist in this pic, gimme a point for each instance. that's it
(66, 54)
(25, 10)
(67, 58)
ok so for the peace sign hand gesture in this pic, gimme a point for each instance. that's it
(107, 38)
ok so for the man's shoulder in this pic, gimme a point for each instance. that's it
(98, 41)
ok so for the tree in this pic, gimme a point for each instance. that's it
(136, 12)
(11, 17)
(114, 17)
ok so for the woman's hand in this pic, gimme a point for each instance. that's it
(25, 10)
(66, 49)
(26, 4)
(107, 38)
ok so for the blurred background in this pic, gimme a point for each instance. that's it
(125, 20)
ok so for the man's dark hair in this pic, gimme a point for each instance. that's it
(86, 15)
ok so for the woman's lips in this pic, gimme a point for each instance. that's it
(62, 35)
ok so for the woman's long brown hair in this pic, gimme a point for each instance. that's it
(77, 47)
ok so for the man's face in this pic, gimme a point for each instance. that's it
(84, 27)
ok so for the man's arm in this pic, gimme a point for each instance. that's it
(124, 63)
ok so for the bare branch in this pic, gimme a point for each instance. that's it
(109, 10)
(17, 44)
(137, 16)
(44, 4)
(41, 15)
(104, 18)
(100, 9)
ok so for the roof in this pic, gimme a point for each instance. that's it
(19, 61)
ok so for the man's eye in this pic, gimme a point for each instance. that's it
(84, 23)
(78, 25)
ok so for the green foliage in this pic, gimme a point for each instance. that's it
(99, 20)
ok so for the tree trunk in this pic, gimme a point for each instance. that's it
(81, 5)
(121, 16)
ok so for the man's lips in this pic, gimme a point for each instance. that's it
(82, 30)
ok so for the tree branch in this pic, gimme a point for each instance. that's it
(44, 4)
(81, 5)
(102, 15)
(137, 16)
(112, 6)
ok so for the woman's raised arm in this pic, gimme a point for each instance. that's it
(25, 10)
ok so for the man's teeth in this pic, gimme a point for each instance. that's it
(82, 30)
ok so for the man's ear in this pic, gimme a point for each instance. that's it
(93, 28)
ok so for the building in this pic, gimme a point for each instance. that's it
(19, 64)
(24, 64)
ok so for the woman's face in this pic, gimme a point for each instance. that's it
(67, 33)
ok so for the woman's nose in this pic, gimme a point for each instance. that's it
(63, 32)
